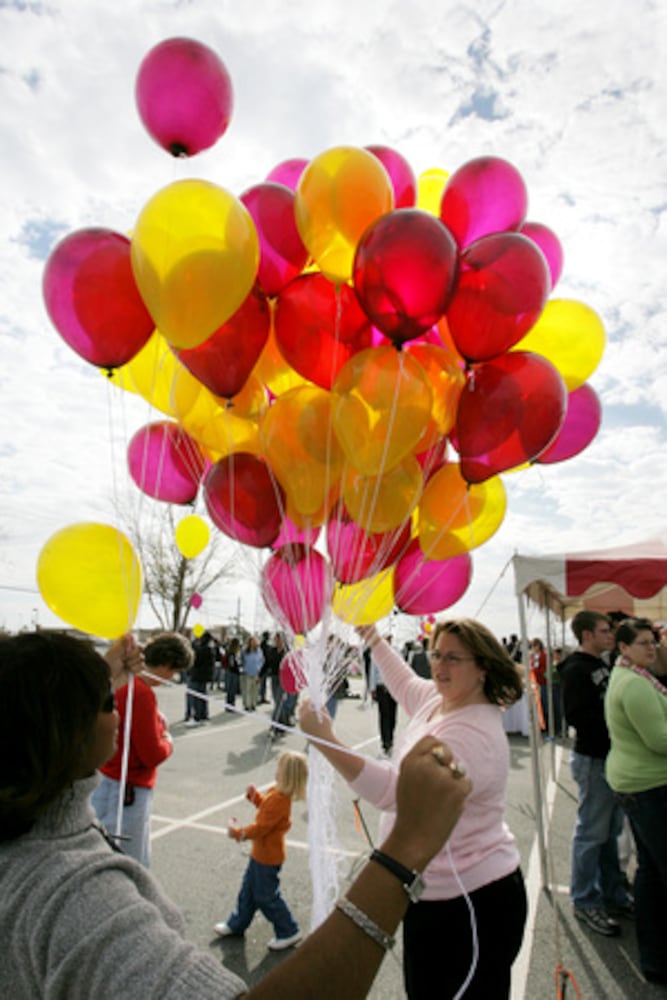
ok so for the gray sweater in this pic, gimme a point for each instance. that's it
(79, 920)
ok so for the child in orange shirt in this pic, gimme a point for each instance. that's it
(260, 889)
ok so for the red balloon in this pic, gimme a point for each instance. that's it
(509, 411)
(549, 244)
(356, 554)
(288, 173)
(424, 585)
(485, 195)
(224, 361)
(282, 253)
(296, 586)
(502, 289)
(291, 534)
(184, 96)
(401, 175)
(165, 463)
(319, 326)
(404, 272)
(92, 298)
(581, 424)
(244, 500)
(294, 672)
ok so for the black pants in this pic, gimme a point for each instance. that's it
(437, 942)
(387, 713)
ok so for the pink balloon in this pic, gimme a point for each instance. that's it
(294, 672)
(485, 195)
(297, 585)
(196, 601)
(401, 175)
(510, 410)
(290, 534)
(404, 272)
(282, 253)
(423, 586)
(581, 424)
(288, 173)
(549, 244)
(356, 554)
(502, 289)
(184, 96)
(92, 298)
(165, 463)
(244, 500)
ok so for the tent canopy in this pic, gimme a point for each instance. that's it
(632, 579)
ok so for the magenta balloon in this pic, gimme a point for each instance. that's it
(502, 289)
(184, 96)
(549, 244)
(290, 534)
(404, 272)
(288, 173)
(296, 585)
(244, 500)
(165, 463)
(294, 672)
(92, 298)
(401, 175)
(581, 424)
(282, 253)
(196, 601)
(423, 586)
(356, 554)
(485, 195)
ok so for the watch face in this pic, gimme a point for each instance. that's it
(415, 888)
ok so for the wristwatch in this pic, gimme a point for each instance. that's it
(413, 883)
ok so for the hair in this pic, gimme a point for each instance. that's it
(537, 642)
(52, 688)
(586, 621)
(502, 683)
(234, 645)
(630, 628)
(293, 774)
(169, 649)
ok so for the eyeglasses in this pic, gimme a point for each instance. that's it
(454, 658)
(109, 702)
(645, 642)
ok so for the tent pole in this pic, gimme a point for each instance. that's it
(550, 692)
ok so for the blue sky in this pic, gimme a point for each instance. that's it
(572, 94)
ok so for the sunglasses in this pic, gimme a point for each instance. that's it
(109, 702)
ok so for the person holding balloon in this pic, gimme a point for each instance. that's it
(84, 919)
(473, 908)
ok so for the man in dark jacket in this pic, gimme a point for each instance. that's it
(201, 674)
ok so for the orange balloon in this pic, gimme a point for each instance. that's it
(446, 379)
(454, 517)
(380, 503)
(274, 371)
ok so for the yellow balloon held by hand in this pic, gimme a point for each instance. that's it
(191, 535)
(90, 576)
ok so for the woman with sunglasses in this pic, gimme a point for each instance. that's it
(472, 677)
(636, 769)
(80, 919)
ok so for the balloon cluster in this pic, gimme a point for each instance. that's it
(344, 350)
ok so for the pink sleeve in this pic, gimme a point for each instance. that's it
(404, 684)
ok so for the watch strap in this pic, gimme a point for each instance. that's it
(410, 878)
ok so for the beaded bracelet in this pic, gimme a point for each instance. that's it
(364, 922)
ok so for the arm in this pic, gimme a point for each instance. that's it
(150, 738)
(644, 711)
(318, 724)
(429, 801)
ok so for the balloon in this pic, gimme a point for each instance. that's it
(293, 672)
(90, 576)
(282, 253)
(244, 500)
(405, 268)
(454, 516)
(430, 185)
(446, 379)
(356, 554)
(340, 193)
(510, 410)
(382, 503)
(549, 244)
(184, 96)
(195, 255)
(223, 363)
(92, 298)
(485, 195)
(318, 327)
(198, 630)
(581, 424)
(401, 175)
(151, 374)
(291, 533)
(191, 535)
(502, 289)
(422, 585)
(288, 173)
(273, 370)
(296, 585)
(196, 601)
(571, 336)
(365, 602)
(381, 406)
(165, 463)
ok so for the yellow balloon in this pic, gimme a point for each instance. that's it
(365, 602)
(446, 378)
(571, 336)
(454, 517)
(198, 630)
(381, 406)
(339, 194)
(151, 373)
(430, 186)
(195, 254)
(274, 371)
(380, 503)
(90, 576)
(191, 535)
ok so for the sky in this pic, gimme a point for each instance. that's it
(572, 94)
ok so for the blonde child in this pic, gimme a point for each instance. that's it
(260, 889)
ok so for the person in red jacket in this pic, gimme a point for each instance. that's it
(260, 889)
(150, 745)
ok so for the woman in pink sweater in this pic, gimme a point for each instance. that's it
(472, 677)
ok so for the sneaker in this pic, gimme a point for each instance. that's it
(598, 921)
(626, 909)
(224, 930)
(278, 944)
(190, 723)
